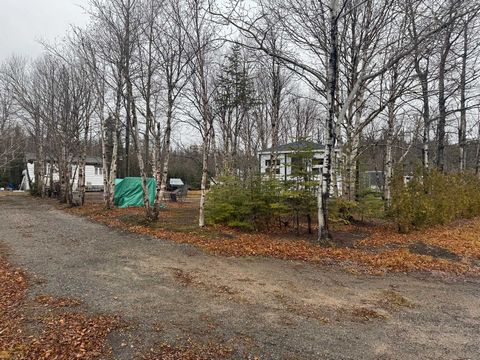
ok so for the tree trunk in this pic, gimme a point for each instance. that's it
(323, 232)
(113, 165)
(162, 172)
(138, 150)
(106, 182)
(388, 161)
(387, 193)
(50, 179)
(477, 157)
(275, 115)
(351, 154)
(40, 163)
(203, 185)
(335, 170)
(82, 165)
(442, 110)
(462, 130)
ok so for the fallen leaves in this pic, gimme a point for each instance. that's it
(189, 279)
(392, 300)
(383, 250)
(190, 351)
(13, 287)
(56, 302)
(72, 336)
(63, 335)
(461, 238)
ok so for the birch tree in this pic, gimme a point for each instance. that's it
(10, 143)
(175, 55)
(200, 40)
(315, 39)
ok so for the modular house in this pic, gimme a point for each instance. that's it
(289, 154)
(93, 173)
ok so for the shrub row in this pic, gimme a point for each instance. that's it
(434, 198)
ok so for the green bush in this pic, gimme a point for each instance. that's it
(259, 203)
(341, 210)
(370, 205)
(247, 205)
(434, 198)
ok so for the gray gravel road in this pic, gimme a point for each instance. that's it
(269, 308)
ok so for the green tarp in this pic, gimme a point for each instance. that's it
(128, 191)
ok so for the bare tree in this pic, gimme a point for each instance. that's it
(318, 58)
(10, 143)
(200, 40)
(171, 44)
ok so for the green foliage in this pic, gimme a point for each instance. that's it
(341, 210)
(247, 205)
(236, 89)
(261, 202)
(370, 205)
(434, 198)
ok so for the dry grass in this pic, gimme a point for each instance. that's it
(363, 314)
(188, 279)
(391, 300)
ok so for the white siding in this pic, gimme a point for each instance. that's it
(285, 163)
(285, 166)
(91, 179)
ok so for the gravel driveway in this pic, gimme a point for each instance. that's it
(273, 309)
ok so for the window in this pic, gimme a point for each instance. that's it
(268, 162)
(317, 162)
(316, 171)
(98, 170)
(299, 164)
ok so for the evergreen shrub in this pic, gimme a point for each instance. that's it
(434, 198)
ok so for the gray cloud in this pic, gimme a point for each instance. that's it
(24, 22)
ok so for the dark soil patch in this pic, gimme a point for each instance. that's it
(346, 239)
(421, 248)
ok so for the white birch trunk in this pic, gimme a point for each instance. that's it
(41, 168)
(203, 185)
(138, 150)
(113, 165)
(387, 192)
(462, 131)
(323, 232)
(106, 183)
(82, 165)
(161, 173)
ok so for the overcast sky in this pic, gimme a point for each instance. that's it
(24, 22)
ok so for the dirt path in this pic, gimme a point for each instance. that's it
(268, 308)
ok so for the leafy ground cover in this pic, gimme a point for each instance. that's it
(371, 248)
(177, 301)
(47, 327)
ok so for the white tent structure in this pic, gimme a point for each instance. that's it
(25, 185)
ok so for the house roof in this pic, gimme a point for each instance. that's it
(296, 145)
(90, 160)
